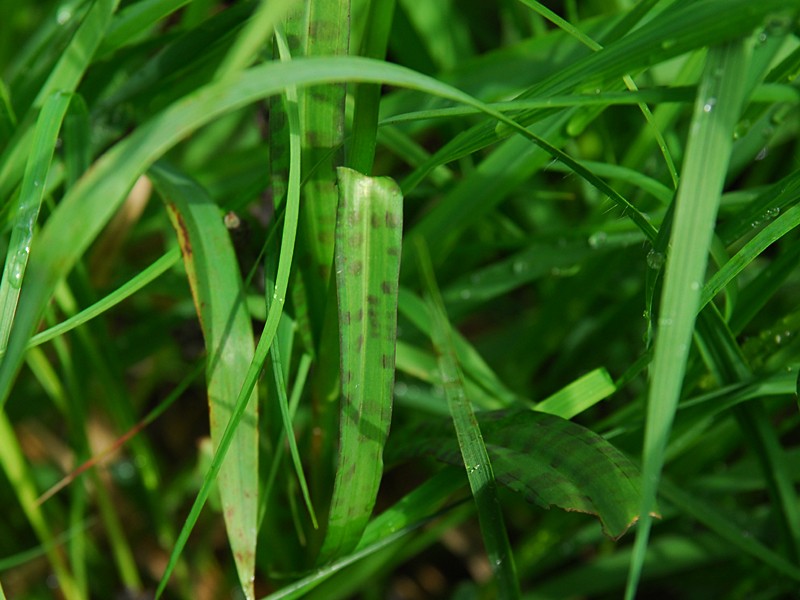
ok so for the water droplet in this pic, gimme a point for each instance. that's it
(778, 338)
(695, 285)
(474, 468)
(646, 314)
(709, 105)
(63, 15)
(762, 37)
(519, 266)
(400, 389)
(667, 44)
(762, 154)
(35, 184)
(773, 212)
(598, 239)
(596, 90)
(465, 294)
(16, 270)
(664, 322)
(655, 260)
(741, 129)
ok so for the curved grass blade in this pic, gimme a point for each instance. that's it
(473, 452)
(123, 292)
(368, 241)
(549, 460)
(218, 293)
(716, 113)
(90, 203)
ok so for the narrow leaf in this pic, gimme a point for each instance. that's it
(219, 299)
(368, 239)
(473, 452)
(719, 100)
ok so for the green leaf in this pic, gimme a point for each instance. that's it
(28, 206)
(719, 101)
(368, 241)
(473, 451)
(550, 460)
(218, 294)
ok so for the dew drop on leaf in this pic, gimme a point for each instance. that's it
(655, 260)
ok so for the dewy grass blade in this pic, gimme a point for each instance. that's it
(716, 113)
(750, 251)
(473, 451)
(218, 293)
(30, 201)
(368, 247)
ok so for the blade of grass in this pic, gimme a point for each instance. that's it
(716, 113)
(29, 204)
(579, 395)
(366, 101)
(283, 400)
(470, 441)
(218, 294)
(123, 292)
(368, 247)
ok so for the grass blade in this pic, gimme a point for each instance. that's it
(716, 111)
(470, 441)
(218, 294)
(368, 241)
(30, 201)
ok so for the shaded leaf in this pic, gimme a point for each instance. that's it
(551, 461)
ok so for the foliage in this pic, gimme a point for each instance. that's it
(268, 265)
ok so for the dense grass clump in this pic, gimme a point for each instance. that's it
(333, 298)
